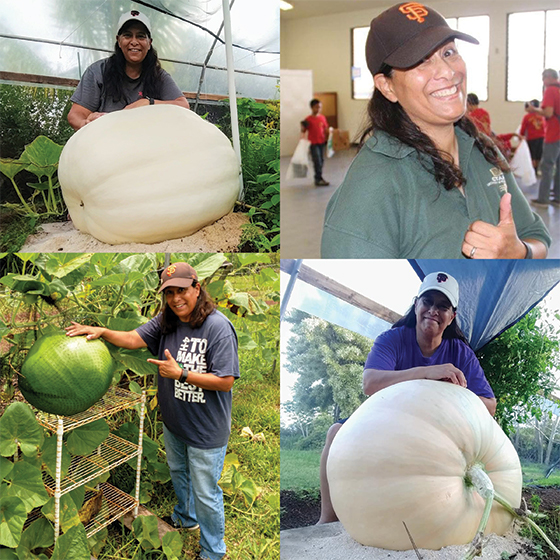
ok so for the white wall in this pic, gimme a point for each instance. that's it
(323, 44)
(295, 94)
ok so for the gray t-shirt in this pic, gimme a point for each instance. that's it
(91, 91)
(200, 417)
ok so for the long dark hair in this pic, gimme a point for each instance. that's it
(392, 119)
(203, 307)
(452, 331)
(114, 75)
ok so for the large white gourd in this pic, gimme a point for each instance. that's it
(403, 456)
(148, 174)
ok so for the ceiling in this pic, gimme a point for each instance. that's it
(310, 8)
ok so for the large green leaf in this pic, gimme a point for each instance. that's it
(18, 426)
(60, 265)
(204, 264)
(85, 439)
(48, 456)
(72, 545)
(172, 545)
(145, 529)
(143, 263)
(128, 324)
(118, 279)
(136, 361)
(42, 156)
(40, 534)
(12, 517)
(25, 482)
(24, 283)
(248, 258)
(5, 468)
(245, 341)
(97, 542)
(68, 512)
(11, 167)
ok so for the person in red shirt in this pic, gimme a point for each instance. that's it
(317, 134)
(479, 116)
(532, 129)
(550, 110)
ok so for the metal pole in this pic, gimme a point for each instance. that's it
(289, 288)
(58, 476)
(232, 92)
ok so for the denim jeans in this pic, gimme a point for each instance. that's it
(318, 157)
(195, 473)
(550, 158)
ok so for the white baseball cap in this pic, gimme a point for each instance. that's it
(442, 282)
(136, 16)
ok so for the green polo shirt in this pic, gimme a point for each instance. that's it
(390, 206)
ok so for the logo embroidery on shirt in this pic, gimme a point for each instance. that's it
(414, 11)
(171, 269)
(498, 180)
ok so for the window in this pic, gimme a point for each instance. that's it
(476, 57)
(526, 59)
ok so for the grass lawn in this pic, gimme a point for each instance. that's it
(534, 473)
(299, 469)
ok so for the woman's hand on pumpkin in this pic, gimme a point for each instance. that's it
(91, 332)
(169, 367)
(445, 372)
(139, 103)
(93, 116)
(486, 241)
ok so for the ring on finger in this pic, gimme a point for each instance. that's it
(473, 251)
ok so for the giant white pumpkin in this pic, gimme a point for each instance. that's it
(403, 456)
(147, 175)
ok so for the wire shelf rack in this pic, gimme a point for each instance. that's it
(110, 454)
(115, 504)
(115, 400)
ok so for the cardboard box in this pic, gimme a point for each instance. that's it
(340, 140)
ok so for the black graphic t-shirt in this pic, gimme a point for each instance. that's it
(200, 417)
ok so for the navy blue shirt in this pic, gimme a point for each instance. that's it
(199, 417)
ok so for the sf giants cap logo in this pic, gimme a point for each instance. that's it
(441, 277)
(171, 269)
(414, 11)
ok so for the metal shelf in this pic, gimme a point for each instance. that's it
(115, 400)
(110, 454)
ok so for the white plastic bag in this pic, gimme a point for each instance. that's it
(299, 164)
(522, 166)
(330, 149)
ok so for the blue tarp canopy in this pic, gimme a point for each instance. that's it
(494, 295)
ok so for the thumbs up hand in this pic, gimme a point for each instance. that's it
(485, 241)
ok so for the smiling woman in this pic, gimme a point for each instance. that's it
(426, 183)
(131, 77)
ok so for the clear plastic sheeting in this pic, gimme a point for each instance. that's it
(494, 294)
(316, 302)
(61, 38)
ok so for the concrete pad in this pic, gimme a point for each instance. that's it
(332, 542)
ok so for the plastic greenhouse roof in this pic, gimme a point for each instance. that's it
(61, 38)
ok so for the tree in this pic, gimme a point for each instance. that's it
(519, 365)
(330, 361)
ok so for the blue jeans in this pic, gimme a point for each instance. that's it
(195, 473)
(550, 159)
(318, 157)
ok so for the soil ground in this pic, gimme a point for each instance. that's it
(300, 509)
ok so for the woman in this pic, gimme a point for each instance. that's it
(426, 184)
(131, 77)
(424, 344)
(198, 363)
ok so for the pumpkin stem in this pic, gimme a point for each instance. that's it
(483, 485)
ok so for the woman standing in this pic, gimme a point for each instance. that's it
(131, 77)
(196, 347)
(424, 344)
(426, 184)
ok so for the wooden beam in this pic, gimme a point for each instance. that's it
(326, 284)
(163, 527)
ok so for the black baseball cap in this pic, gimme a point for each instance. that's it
(405, 34)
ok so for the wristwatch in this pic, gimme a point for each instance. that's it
(184, 375)
(150, 99)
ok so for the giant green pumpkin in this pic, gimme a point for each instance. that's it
(66, 375)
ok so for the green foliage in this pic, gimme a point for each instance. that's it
(519, 365)
(19, 429)
(300, 470)
(330, 362)
(30, 111)
(85, 439)
(145, 529)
